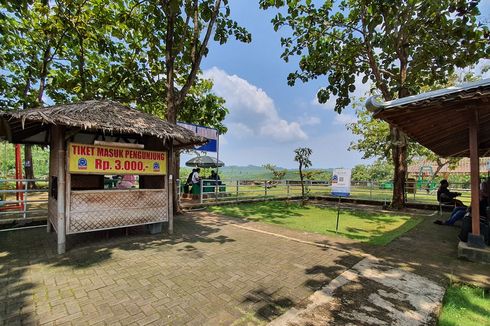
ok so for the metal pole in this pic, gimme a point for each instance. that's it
(201, 188)
(265, 188)
(287, 187)
(170, 186)
(237, 187)
(25, 200)
(4, 164)
(216, 187)
(338, 216)
(217, 153)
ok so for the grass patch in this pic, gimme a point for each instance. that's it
(465, 305)
(371, 227)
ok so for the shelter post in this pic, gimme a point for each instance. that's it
(58, 140)
(171, 184)
(475, 172)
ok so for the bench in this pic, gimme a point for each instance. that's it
(441, 205)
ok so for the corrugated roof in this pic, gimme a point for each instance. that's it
(373, 104)
(463, 166)
(439, 120)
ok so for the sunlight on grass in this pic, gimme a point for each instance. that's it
(465, 305)
(371, 227)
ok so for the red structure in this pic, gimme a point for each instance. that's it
(19, 186)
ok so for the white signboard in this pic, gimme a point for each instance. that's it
(341, 182)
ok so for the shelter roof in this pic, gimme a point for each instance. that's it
(462, 167)
(439, 119)
(104, 116)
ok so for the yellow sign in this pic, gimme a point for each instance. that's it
(96, 159)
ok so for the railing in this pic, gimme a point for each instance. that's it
(237, 190)
(17, 200)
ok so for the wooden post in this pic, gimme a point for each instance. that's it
(474, 172)
(170, 188)
(67, 192)
(59, 141)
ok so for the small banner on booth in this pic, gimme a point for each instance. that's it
(97, 159)
(341, 182)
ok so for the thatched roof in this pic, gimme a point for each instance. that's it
(105, 116)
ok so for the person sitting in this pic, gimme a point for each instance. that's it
(127, 182)
(457, 214)
(214, 176)
(446, 197)
(484, 196)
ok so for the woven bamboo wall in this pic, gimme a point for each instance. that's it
(99, 210)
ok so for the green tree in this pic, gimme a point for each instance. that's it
(398, 46)
(177, 33)
(302, 156)
(374, 135)
(360, 172)
(276, 174)
(32, 35)
(66, 51)
(380, 170)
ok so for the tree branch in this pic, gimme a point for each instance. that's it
(197, 60)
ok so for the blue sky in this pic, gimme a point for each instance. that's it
(269, 119)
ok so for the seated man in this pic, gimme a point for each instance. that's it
(215, 176)
(446, 197)
(457, 214)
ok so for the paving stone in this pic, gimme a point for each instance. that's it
(207, 272)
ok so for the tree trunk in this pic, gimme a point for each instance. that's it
(399, 155)
(399, 151)
(28, 166)
(302, 182)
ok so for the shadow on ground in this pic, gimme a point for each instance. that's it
(21, 249)
(427, 250)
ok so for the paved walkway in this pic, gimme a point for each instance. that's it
(213, 270)
(209, 272)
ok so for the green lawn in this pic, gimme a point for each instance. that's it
(357, 192)
(465, 305)
(373, 228)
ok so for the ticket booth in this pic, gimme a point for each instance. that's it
(109, 164)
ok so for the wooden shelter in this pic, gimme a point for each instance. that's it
(452, 122)
(93, 139)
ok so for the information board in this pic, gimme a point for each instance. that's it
(210, 134)
(97, 159)
(341, 182)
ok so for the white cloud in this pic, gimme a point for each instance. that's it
(283, 131)
(223, 140)
(362, 90)
(239, 130)
(345, 118)
(309, 120)
(252, 111)
(477, 69)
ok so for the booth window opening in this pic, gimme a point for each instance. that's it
(121, 182)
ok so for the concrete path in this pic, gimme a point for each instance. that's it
(370, 293)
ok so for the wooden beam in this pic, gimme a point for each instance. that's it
(475, 171)
(171, 185)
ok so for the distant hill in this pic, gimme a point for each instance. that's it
(253, 172)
